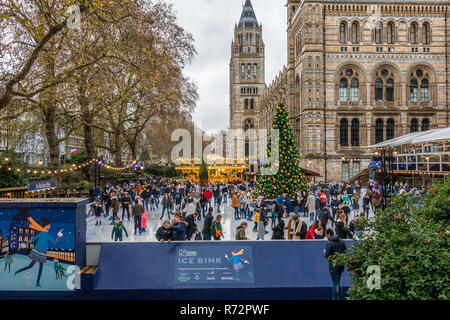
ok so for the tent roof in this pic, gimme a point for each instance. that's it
(438, 135)
(416, 138)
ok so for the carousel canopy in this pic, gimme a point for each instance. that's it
(434, 135)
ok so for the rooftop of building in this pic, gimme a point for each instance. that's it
(248, 16)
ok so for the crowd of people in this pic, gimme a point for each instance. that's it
(186, 211)
(180, 207)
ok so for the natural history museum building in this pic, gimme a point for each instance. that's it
(357, 73)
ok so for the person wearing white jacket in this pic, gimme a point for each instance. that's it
(190, 208)
(248, 200)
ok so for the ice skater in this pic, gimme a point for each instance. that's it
(237, 265)
(8, 261)
(61, 271)
(98, 210)
(39, 252)
(143, 223)
(117, 230)
(55, 267)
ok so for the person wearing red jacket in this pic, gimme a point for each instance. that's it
(323, 199)
(208, 196)
(310, 234)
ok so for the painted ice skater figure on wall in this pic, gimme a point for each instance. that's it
(55, 267)
(237, 262)
(8, 261)
(39, 252)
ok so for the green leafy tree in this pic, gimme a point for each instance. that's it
(408, 242)
(9, 176)
(287, 177)
(79, 157)
(437, 202)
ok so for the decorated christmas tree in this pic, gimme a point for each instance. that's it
(286, 177)
(203, 174)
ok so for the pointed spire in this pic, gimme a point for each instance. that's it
(248, 17)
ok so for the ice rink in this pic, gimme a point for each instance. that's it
(102, 233)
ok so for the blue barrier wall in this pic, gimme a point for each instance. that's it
(274, 264)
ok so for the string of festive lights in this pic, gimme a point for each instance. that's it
(73, 167)
(134, 163)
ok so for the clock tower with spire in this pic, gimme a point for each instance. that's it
(247, 72)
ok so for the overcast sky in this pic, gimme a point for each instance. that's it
(211, 22)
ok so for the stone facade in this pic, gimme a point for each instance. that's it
(357, 73)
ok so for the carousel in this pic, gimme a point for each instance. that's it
(220, 169)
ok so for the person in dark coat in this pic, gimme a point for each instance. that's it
(341, 226)
(98, 211)
(335, 245)
(178, 228)
(207, 224)
(138, 211)
(203, 203)
(164, 233)
(334, 206)
(325, 215)
(126, 202)
(278, 231)
(191, 227)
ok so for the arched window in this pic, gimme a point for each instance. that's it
(413, 33)
(246, 104)
(425, 124)
(242, 71)
(419, 86)
(255, 70)
(390, 33)
(355, 133)
(378, 33)
(426, 34)
(355, 33)
(247, 148)
(343, 89)
(249, 71)
(252, 103)
(354, 90)
(248, 124)
(343, 32)
(390, 131)
(414, 125)
(251, 38)
(379, 131)
(390, 89)
(344, 133)
(413, 90)
(424, 95)
(378, 90)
